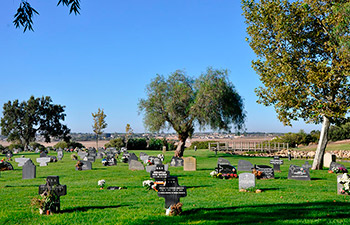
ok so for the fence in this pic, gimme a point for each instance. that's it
(265, 146)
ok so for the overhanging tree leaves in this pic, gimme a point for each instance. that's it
(25, 13)
(179, 102)
(22, 121)
(303, 60)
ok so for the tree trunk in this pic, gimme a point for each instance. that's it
(96, 142)
(179, 152)
(321, 147)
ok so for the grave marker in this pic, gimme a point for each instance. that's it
(59, 154)
(29, 170)
(276, 162)
(246, 180)
(298, 173)
(172, 192)
(53, 184)
(86, 165)
(176, 161)
(244, 165)
(43, 161)
(43, 154)
(21, 161)
(190, 164)
(266, 172)
(135, 165)
(328, 158)
(160, 173)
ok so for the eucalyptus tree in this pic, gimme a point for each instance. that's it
(22, 121)
(25, 13)
(180, 102)
(303, 61)
(99, 124)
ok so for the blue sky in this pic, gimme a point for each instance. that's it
(105, 57)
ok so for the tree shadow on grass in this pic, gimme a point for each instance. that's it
(86, 208)
(99, 169)
(302, 213)
(198, 186)
(28, 185)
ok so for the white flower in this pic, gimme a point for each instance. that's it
(168, 210)
(147, 183)
(101, 182)
(213, 173)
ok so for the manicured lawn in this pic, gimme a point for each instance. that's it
(208, 201)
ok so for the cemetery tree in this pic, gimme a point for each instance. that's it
(303, 60)
(25, 13)
(99, 123)
(180, 102)
(128, 132)
(22, 121)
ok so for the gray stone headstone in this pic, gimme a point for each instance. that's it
(9, 154)
(43, 161)
(29, 170)
(176, 161)
(82, 154)
(246, 180)
(60, 154)
(135, 165)
(276, 162)
(21, 161)
(222, 161)
(132, 156)
(86, 165)
(244, 165)
(298, 173)
(190, 164)
(143, 156)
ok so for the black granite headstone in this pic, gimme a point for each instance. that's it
(172, 192)
(266, 172)
(53, 184)
(159, 174)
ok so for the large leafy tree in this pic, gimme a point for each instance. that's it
(99, 123)
(25, 13)
(180, 102)
(22, 121)
(303, 60)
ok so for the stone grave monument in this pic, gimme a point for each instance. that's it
(190, 164)
(176, 162)
(135, 165)
(172, 192)
(29, 170)
(266, 172)
(43, 161)
(276, 162)
(60, 154)
(244, 165)
(85, 165)
(21, 161)
(298, 173)
(246, 180)
(53, 184)
(328, 158)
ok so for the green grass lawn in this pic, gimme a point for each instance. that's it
(208, 201)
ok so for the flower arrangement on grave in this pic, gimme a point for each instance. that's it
(161, 156)
(149, 163)
(174, 210)
(339, 170)
(149, 184)
(45, 202)
(124, 159)
(79, 165)
(345, 181)
(104, 162)
(101, 183)
(257, 173)
(226, 176)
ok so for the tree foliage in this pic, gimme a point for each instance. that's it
(25, 13)
(179, 102)
(302, 62)
(99, 123)
(128, 132)
(22, 121)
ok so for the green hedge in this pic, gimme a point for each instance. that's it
(201, 144)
